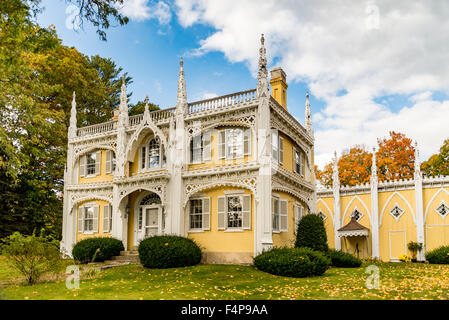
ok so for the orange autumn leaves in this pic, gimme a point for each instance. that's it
(395, 157)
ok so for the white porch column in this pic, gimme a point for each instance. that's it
(119, 217)
(336, 192)
(419, 206)
(374, 210)
(263, 216)
(178, 159)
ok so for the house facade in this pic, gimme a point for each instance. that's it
(379, 219)
(234, 173)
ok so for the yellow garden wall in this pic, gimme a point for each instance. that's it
(436, 227)
(326, 206)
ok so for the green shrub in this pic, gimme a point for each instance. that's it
(343, 260)
(96, 249)
(414, 247)
(311, 233)
(439, 255)
(168, 251)
(32, 255)
(292, 262)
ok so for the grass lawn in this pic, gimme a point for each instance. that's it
(397, 281)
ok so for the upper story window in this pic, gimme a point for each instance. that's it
(234, 143)
(298, 162)
(152, 155)
(200, 148)
(110, 162)
(277, 146)
(90, 164)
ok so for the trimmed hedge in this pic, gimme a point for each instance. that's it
(292, 262)
(86, 250)
(343, 260)
(311, 233)
(439, 255)
(168, 251)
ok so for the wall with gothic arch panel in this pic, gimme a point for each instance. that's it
(436, 225)
(326, 206)
(396, 233)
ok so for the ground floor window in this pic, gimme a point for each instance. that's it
(199, 214)
(279, 214)
(88, 218)
(234, 212)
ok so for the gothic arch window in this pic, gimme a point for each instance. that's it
(356, 214)
(152, 155)
(396, 212)
(442, 209)
(150, 199)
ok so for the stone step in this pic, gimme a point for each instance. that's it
(127, 258)
(129, 253)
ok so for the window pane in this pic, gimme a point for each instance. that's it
(235, 143)
(154, 153)
(196, 208)
(235, 212)
(90, 163)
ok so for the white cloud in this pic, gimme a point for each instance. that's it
(368, 49)
(140, 10)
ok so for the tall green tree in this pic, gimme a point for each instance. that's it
(438, 164)
(37, 77)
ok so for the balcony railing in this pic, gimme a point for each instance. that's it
(164, 114)
(223, 101)
(97, 128)
(156, 116)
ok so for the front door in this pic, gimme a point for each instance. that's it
(149, 222)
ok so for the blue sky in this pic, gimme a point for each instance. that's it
(371, 67)
(150, 53)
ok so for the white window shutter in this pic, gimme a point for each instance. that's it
(221, 213)
(246, 212)
(82, 166)
(207, 146)
(110, 218)
(106, 218)
(206, 213)
(247, 142)
(81, 219)
(275, 145)
(98, 163)
(283, 215)
(221, 144)
(281, 150)
(108, 161)
(301, 161)
(96, 209)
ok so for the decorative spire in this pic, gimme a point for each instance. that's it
(147, 99)
(182, 93)
(308, 116)
(262, 75)
(123, 109)
(335, 178)
(72, 127)
(417, 163)
(374, 164)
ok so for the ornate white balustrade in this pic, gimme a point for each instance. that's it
(97, 128)
(223, 101)
(156, 116)
(165, 114)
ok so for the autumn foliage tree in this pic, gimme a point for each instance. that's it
(395, 158)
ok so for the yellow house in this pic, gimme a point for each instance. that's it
(388, 215)
(234, 173)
